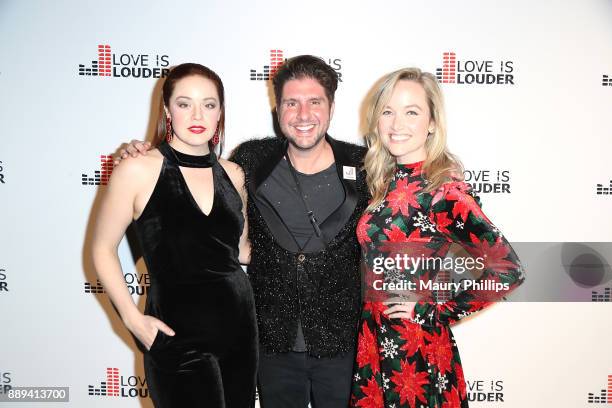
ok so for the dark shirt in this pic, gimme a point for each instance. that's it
(323, 192)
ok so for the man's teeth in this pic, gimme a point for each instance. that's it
(304, 128)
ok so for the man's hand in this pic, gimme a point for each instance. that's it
(134, 148)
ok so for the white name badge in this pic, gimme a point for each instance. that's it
(349, 173)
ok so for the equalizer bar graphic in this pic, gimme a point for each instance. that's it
(276, 60)
(102, 176)
(101, 66)
(447, 74)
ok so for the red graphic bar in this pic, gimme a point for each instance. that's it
(609, 388)
(276, 60)
(104, 60)
(112, 382)
(106, 165)
(448, 67)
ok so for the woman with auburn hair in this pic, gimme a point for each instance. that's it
(188, 209)
(406, 355)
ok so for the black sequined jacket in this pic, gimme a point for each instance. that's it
(321, 288)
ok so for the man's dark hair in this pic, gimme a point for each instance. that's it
(306, 66)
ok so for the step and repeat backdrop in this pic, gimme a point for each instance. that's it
(528, 87)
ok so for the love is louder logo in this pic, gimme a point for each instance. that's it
(126, 64)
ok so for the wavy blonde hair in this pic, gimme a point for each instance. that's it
(439, 167)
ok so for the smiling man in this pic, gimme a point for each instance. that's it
(306, 194)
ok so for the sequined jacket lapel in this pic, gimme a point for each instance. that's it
(321, 289)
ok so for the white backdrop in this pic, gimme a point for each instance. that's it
(547, 134)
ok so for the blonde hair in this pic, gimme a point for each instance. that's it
(439, 167)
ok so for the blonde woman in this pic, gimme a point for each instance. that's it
(406, 354)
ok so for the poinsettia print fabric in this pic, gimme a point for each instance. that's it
(415, 363)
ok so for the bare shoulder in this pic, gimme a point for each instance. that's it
(234, 171)
(135, 169)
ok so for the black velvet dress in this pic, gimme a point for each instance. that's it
(198, 288)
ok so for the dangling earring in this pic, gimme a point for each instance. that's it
(168, 130)
(215, 138)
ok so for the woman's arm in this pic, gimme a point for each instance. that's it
(236, 174)
(244, 256)
(114, 215)
(458, 216)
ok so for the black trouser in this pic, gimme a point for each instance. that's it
(292, 380)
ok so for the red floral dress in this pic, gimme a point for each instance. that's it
(415, 363)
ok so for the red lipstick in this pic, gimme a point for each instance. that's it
(197, 129)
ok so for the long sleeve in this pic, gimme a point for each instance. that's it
(457, 214)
